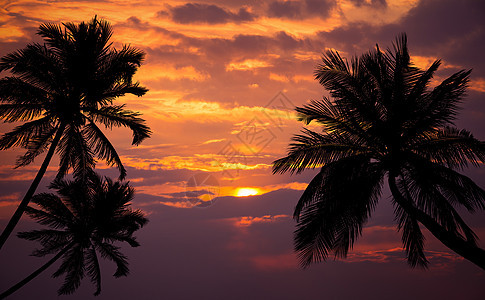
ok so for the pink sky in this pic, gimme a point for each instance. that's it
(223, 77)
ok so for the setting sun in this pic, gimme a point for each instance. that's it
(243, 192)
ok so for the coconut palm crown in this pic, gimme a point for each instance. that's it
(63, 88)
(384, 121)
(87, 217)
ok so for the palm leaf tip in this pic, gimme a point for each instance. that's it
(138, 90)
(142, 133)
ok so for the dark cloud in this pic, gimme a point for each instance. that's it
(450, 30)
(205, 13)
(285, 9)
(319, 7)
(300, 9)
(378, 3)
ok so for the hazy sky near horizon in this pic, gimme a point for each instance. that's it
(223, 79)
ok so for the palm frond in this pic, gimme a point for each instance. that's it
(75, 195)
(46, 236)
(335, 216)
(430, 191)
(52, 204)
(73, 265)
(412, 238)
(112, 253)
(333, 119)
(93, 269)
(132, 219)
(14, 90)
(311, 194)
(419, 88)
(120, 65)
(404, 74)
(118, 116)
(74, 153)
(50, 247)
(123, 224)
(451, 147)
(120, 90)
(36, 146)
(459, 189)
(36, 65)
(442, 102)
(353, 99)
(112, 236)
(52, 219)
(102, 147)
(54, 36)
(22, 134)
(313, 150)
(19, 112)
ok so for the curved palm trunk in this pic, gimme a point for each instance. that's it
(34, 274)
(25, 201)
(462, 247)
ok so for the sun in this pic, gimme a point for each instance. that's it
(243, 192)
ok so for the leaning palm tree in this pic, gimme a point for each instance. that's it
(88, 217)
(384, 120)
(62, 89)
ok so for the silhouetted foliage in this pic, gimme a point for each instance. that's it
(86, 217)
(384, 120)
(62, 89)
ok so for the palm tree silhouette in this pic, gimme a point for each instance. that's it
(384, 120)
(87, 217)
(62, 89)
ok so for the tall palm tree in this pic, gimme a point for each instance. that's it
(62, 89)
(88, 217)
(384, 121)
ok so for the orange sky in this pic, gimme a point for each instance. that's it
(217, 76)
(223, 79)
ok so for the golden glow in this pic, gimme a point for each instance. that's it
(248, 64)
(244, 192)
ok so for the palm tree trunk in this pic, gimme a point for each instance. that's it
(34, 274)
(466, 249)
(23, 205)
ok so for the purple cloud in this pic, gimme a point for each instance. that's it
(285, 9)
(299, 9)
(205, 13)
(376, 3)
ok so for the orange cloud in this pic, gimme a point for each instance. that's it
(197, 162)
(163, 71)
(478, 85)
(438, 259)
(247, 221)
(178, 204)
(247, 64)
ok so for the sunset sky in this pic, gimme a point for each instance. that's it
(223, 79)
